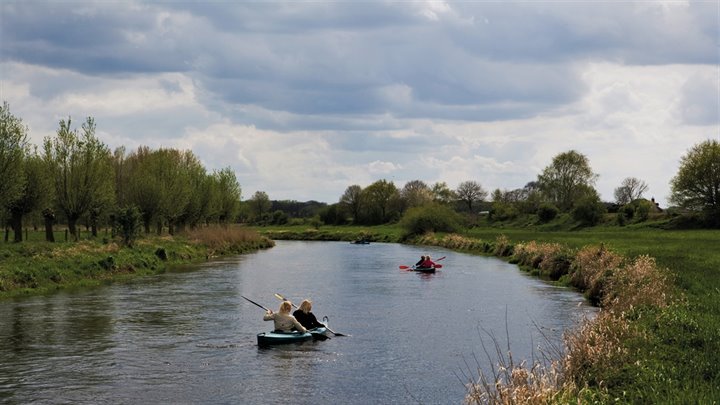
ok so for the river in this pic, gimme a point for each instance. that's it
(188, 337)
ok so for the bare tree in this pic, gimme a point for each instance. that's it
(470, 192)
(630, 189)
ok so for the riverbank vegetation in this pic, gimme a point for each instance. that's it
(38, 266)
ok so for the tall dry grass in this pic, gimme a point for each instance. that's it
(596, 345)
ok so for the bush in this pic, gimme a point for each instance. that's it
(127, 223)
(430, 218)
(588, 211)
(547, 212)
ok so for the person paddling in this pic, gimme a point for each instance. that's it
(305, 316)
(427, 263)
(284, 322)
(420, 262)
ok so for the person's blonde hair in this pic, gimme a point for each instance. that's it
(306, 306)
(285, 306)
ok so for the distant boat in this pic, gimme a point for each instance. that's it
(360, 242)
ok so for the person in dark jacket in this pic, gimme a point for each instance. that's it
(420, 262)
(305, 316)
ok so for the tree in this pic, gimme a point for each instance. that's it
(469, 192)
(442, 194)
(630, 190)
(127, 223)
(229, 194)
(35, 193)
(379, 197)
(416, 193)
(351, 200)
(696, 186)
(143, 189)
(81, 170)
(566, 179)
(259, 204)
(588, 209)
(13, 148)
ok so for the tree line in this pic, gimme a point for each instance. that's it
(75, 178)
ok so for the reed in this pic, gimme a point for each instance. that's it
(596, 349)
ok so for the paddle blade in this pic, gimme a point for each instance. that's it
(404, 267)
(438, 266)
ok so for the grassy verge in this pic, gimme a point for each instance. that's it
(36, 267)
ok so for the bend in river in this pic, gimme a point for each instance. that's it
(188, 337)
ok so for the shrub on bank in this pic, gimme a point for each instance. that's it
(430, 218)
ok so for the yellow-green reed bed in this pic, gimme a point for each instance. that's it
(657, 337)
(34, 267)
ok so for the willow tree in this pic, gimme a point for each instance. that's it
(229, 194)
(36, 193)
(567, 179)
(172, 169)
(142, 189)
(13, 148)
(81, 171)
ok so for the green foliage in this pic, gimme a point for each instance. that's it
(228, 195)
(547, 212)
(430, 218)
(13, 148)
(81, 170)
(503, 211)
(259, 205)
(565, 180)
(127, 224)
(381, 202)
(333, 215)
(697, 183)
(588, 211)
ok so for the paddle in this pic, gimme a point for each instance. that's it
(255, 303)
(280, 297)
(437, 266)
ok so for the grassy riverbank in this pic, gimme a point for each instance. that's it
(667, 350)
(36, 267)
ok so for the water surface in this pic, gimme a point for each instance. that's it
(188, 337)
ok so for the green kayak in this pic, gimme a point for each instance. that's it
(279, 338)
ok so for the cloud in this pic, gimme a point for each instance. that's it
(305, 99)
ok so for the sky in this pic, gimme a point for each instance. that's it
(304, 99)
